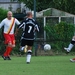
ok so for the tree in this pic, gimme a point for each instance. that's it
(40, 4)
(65, 5)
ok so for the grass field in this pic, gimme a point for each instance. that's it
(40, 65)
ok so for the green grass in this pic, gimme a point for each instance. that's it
(40, 65)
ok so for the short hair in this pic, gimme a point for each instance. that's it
(29, 14)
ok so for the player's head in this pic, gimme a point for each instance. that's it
(9, 14)
(29, 14)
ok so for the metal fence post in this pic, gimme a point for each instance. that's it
(59, 19)
(44, 30)
(35, 32)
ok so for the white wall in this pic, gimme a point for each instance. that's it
(7, 5)
(14, 5)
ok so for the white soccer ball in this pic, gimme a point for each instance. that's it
(47, 47)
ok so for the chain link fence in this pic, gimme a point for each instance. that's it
(41, 39)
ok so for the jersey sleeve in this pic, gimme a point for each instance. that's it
(37, 28)
(2, 24)
(21, 25)
(17, 22)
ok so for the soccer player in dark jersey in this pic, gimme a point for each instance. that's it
(69, 48)
(29, 26)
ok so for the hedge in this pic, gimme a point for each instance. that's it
(59, 35)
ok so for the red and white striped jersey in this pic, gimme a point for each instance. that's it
(9, 25)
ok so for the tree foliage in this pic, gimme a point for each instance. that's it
(3, 14)
(65, 5)
(40, 4)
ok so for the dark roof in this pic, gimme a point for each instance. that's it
(19, 16)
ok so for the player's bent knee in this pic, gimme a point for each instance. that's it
(10, 44)
(13, 46)
(29, 47)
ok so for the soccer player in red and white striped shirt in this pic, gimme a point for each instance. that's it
(9, 26)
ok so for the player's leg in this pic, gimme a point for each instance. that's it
(23, 45)
(23, 48)
(8, 49)
(70, 45)
(8, 41)
(29, 53)
(29, 50)
(11, 46)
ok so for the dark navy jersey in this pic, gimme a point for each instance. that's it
(29, 27)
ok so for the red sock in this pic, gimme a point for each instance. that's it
(8, 50)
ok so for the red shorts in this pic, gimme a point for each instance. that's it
(9, 38)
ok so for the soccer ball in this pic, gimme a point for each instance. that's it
(47, 47)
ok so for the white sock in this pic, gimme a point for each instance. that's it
(28, 56)
(22, 48)
(70, 47)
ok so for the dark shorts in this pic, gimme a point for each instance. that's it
(72, 42)
(27, 42)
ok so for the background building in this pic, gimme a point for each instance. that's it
(14, 5)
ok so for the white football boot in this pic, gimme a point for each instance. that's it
(69, 48)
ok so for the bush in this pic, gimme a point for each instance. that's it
(59, 35)
(3, 13)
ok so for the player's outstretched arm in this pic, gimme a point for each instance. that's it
(19, 27)
(37, 28)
